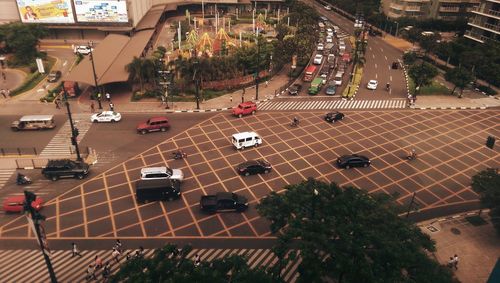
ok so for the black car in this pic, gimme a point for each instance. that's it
(353, 160)
(334, 117)
(254, 167)
(223, 201)
(53, 76)
(395, 65)
(294, 89)
(56, 169)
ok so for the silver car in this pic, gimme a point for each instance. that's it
(156, 173)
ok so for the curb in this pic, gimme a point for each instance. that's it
(451, 217)
(451, 108)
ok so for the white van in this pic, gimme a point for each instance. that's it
(246, 139)
(338, 78)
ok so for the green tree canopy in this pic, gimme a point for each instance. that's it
(487, 184)
(460, 78)
(171, 265)
(345, 235)
(422, 74)
(141, 70)
(22, 39)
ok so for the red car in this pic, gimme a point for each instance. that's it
(153, 124)
(245, 108)
(16, 203)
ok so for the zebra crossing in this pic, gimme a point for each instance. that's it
(60, 145)
(24, 264)
(5, 175)
(296, 104)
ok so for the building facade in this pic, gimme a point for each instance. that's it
(429, 9)
(485, 22)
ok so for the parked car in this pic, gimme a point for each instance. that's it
(328, 7)
(320, 47)
(329, 39)
(318, 59)
(252, 167)
(154, 124)
(160, 173)
(372, 84)
(54, 76)
(353, 160)
(294, 89)
(245, 108)
(106, 116)
(16, 203)
(61, 168)
(82, 49)
(157, 190)
(333, 117)
(331, 89)
(223, 201)
(395, 65)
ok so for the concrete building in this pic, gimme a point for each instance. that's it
(452, 9)
(485, 22)
(429, 9)
(406, 8)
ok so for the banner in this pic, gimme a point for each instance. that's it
(101, 11)
(45, 11)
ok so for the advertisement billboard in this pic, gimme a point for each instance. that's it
(101, 11)
(45, 11)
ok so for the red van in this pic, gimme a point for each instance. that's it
(245, 108)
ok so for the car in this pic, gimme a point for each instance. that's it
(333, 117)
(328, 7)
(82, 49)
(245, 108)
(160, 173)
(318, 59)
(223, 201)
(16, 203)
(106, 116)
(331, 89)
(54, 76)
(353, 160)
(372, 84)
(252, 167)
(60, 168)
(320, 47)
(395, 65)
(153, 124)
(329, 39)
(294, 89)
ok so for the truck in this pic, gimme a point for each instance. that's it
(309, 73)
(223, 201)
(315, 86)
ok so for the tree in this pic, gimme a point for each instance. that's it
(422, 75)
(345, 235)
(409, 58)
(487, 184)
(22, 39)
(142, 70)
(460, 78)
(170, 264)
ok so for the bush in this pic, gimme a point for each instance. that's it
(52, 94)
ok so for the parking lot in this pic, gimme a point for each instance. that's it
(450, 144)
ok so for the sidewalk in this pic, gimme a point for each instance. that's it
(477, 247)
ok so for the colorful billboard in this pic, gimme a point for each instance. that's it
(45, 11)
(101, 11)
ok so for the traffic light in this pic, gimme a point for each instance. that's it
(490, 142)
(76, 132)
(73, 141)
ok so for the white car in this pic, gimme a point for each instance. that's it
(372, 84)
(328, 8)
(158, 173)
(320, 47)
(318, 59)
(106, 116)
(82, 49)
(329, 39)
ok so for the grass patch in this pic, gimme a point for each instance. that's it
(355, 84)
(434, 89)
(35, 78)
(476, 220)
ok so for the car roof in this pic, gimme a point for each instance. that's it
(36, 118)
(244, 135)
(373, 81)
(353, 155)
(153, 170)
(224, 195)
(159, 118)
(247, 103)
(108, 112)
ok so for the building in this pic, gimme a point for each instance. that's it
(485, 22)
(429, 9)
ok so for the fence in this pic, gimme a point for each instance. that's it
(18, 151)
(31, 163)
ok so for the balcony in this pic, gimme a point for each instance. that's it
(487, 12)
(396, 7)
(413, 9)
(477, 23)
(449, 9)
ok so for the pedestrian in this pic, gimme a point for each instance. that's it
(91, 272)
(128, 256)
(267, 83)
(162, 100)
(4, 76)
(455, 261)
(74, 250)
(3, 93)
(243, 96)
(231, 98)
(140, 252)
(116, 255)
(97, 262)
(111, 106)
(107, 270)
(197, 260)
(57, 104)
(118, 245)
(451, 262)
(92, 107)
(8, 92)
(108, 96)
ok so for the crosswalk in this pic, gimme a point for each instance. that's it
(19, 265)
(60, 145)
(5, 175)
(296, 104)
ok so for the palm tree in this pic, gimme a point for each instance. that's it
(140, 69)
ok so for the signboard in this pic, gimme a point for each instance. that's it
(101, 11)
(45, 11)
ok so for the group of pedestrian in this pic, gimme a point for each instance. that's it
(5, 93)
(453, 262)
(411, 100)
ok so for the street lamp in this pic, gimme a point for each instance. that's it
(196, 83)
(96, 90)
(397, 28)
(258, 67)
(74, 130)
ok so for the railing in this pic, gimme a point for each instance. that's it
(18, 151)
(37, 163)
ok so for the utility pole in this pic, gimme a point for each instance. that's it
(34, 221)
(196, 84)
(97, 93)
(74, 131)
(258, 68)
(411, 204)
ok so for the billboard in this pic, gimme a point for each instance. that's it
(101, 11)
(45, 11)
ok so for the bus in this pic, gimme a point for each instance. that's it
(309, 73)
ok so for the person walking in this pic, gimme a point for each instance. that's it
(106, 271)
(108, 96)
(3, 93)
(139, 253)
(74, 250)
(451, 262)
(243, 95)
(91, 272)
(116, 255)
(57, 103)
(8, 92)
(162, 97)
(455, 262)
(267, 83)
(197, 260)
(4, 76)
(92, 107)
(128, 256)
(97, 262)
(111, 106)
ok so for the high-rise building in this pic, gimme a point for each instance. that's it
(406, 8)
(429, 9)
(485, 22)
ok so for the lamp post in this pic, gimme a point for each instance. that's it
(96, 90)
(397, 28)
(74, 130)
(258, 67)
(196, 83)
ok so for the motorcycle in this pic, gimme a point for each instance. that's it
(411, 156)
(294, 123)
(179, 154)
(23, 180)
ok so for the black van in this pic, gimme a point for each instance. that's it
(154, 190)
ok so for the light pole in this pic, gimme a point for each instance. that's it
(196, 84)
(74, 130)
(397, 28)
(258, 68)
(97, 94)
